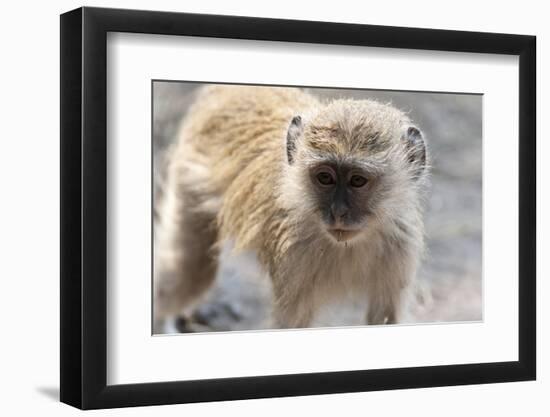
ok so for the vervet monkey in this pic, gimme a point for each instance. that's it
(328, 194)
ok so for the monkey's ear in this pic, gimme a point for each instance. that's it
(293, 133)
(416, 147)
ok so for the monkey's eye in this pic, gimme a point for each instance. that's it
(357, 181)
(325, 178)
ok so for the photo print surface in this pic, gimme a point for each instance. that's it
(292, 207)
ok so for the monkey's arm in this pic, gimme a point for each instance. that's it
(389, 286)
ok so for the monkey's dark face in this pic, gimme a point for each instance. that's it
(343, 192)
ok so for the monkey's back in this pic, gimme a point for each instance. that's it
(232, 149)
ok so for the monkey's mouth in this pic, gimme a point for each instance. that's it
(343, 235)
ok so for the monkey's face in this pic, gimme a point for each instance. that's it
(342, 192)
(353, 167)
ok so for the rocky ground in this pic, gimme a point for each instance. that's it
(451, 274)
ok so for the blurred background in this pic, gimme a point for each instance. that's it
(450, 275)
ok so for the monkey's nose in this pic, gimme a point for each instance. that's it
(339, 211)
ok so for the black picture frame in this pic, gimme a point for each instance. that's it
(84, 207)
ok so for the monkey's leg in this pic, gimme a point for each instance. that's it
(292, 308)
(388, 286)
(187, 258)
(386, 297)
(382, 310)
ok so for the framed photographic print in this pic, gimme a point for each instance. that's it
(257, 208)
